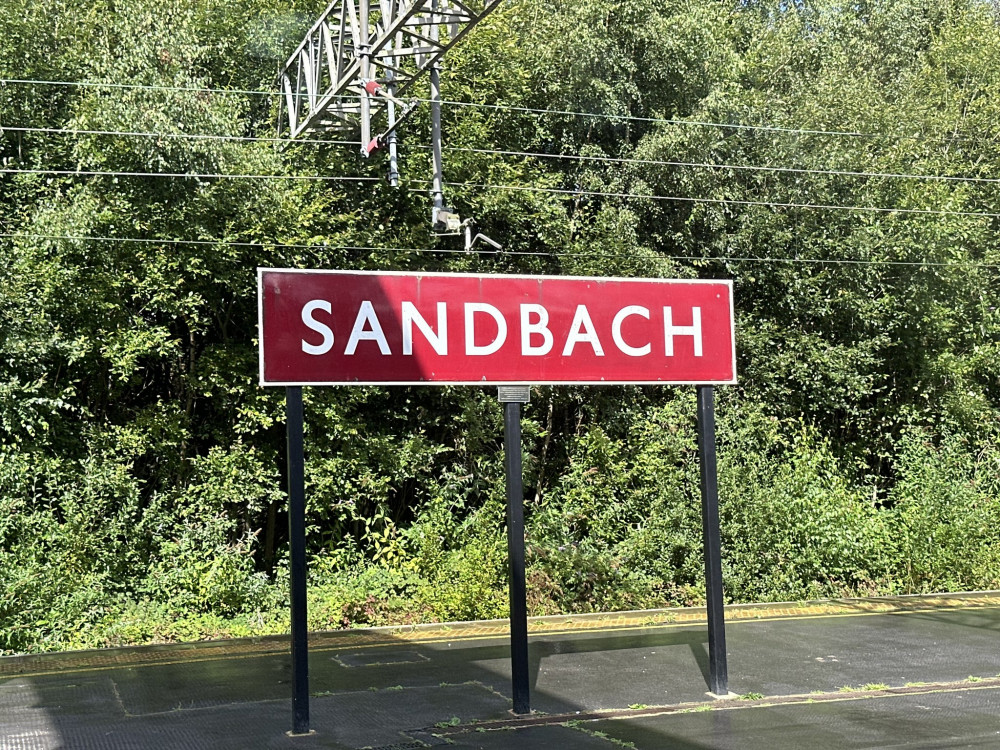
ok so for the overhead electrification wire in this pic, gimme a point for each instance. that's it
(531, 110)
(723, 125)
(223, 175)
(720, 201)
(242, 243)
(709, 165)
(181, 136)
(529, 154)
(135, 86)
(517, 188)
(525, 154)
(428, 250)
(220, 241)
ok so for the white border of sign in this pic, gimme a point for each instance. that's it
(491, 383)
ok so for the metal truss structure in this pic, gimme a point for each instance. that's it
(356, 62)
(361, 55)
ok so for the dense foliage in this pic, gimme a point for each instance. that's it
(141, 466)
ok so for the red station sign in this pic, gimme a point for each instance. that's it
(383, 328)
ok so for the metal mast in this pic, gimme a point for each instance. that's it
(438, 188)
(361, 55)
(350, 72)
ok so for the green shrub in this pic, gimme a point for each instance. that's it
(795, 525)
(68, 545)
(618, 530)
(137, 622)
(203, 540)
(944, 514)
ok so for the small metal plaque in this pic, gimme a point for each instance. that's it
(514, 394)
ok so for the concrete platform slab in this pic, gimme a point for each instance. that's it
(424, 687)
(961, 718)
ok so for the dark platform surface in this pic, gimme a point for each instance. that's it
(906, 673)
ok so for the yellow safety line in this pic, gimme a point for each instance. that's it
(462, 634)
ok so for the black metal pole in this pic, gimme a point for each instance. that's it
(297, 542)
(718, 669)
(515, 552)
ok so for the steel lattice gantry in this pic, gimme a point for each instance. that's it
(361, 55)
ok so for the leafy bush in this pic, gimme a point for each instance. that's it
(619, 529)
(795, 523)
(67, 542)
(203, 538)
(944, 513)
